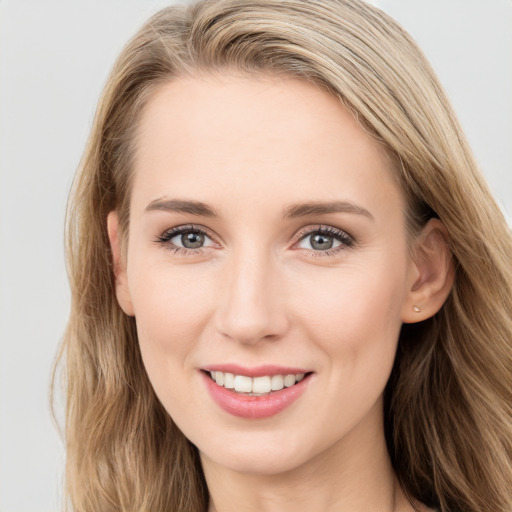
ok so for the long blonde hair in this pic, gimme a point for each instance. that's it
(448, 403)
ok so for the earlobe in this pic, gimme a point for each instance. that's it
(119, 264)
(432, 274)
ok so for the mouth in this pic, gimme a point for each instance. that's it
(264, 393)
(256, 386)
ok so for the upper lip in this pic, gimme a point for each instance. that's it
(255, 371)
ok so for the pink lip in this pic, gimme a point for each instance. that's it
(255, 371)
(254, 407)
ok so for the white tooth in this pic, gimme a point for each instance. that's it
(276, 382)
(243, 384)
(213, 374)
(219, 378)
(289, 380)
(299, 377)
(261, 385)
(229, 381)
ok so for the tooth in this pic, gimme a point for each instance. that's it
(229, 381)
(219, 378)
(299, 377)
(289, 380)
(243, 384)
(276, 383)
(213, 374)
(261, 385)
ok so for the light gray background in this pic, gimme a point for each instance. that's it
(54, 59)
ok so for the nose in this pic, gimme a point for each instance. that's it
(251, 305)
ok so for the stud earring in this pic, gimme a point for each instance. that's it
(416, 309)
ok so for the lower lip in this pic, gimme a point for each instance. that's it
(254, 407)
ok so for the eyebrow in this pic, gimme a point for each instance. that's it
(182, 206)
(290, 212)
(323, 208)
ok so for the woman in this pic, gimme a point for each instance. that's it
(291, 285)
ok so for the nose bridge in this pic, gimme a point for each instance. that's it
(251, 307)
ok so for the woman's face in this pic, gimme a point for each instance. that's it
(267, 240)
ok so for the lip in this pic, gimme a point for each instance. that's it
(255, 371)
(254, 407)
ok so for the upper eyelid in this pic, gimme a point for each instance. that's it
(305, 230)
(322, 228)
(176, 230)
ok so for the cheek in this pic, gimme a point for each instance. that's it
(353, 318)
(171, 306)
(354, 313)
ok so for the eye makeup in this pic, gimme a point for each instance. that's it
(319, 241)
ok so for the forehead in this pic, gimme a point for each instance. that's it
(263, 138)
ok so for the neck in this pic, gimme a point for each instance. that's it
(354, 475)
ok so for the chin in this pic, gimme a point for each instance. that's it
(265, 456)
(250, 464)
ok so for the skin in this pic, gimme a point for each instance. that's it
(259, 293)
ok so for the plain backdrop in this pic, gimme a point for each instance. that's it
(54, 59)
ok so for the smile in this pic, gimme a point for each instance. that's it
(265, 392)
(255, 386)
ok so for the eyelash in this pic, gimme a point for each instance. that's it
(166, 237)
(346, 240)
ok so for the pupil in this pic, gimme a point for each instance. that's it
(321, 242)
(192, 240)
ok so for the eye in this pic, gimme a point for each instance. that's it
(325, 239)
(189, 240)
(186, 238)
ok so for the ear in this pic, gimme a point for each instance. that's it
(432, 273)
(119, 262)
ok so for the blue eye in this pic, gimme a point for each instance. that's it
(186, 237)
(326, 240)
(190, 240)
(319, 241)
